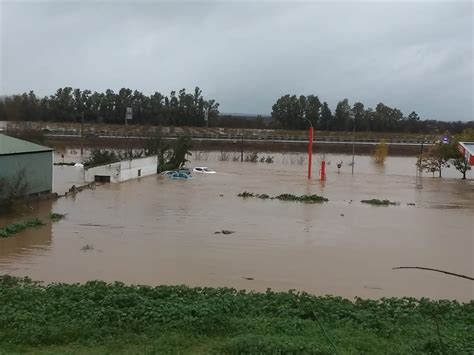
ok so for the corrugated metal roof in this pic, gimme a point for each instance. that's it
(10, 145)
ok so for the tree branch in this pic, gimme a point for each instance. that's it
(437, 270)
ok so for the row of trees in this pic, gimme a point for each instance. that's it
(188, 109)
(441, 155)
(292, 112)
(68, 104)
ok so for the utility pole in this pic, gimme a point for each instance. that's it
(206, 116)
(353, 139)
(310, 146)
(82, 133)
(128, 116)
(242, 148)
(419, 169)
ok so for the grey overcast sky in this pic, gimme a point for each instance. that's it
(416, 56)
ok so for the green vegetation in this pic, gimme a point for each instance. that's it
(101, 157)
(292, 112)
(14, 228)
(377, 202)
(441, 155)
(302, 198)
(189, 109)
(172, 157)
(381, 152)
(68, 104)
(13, 188)
(56, 217)
(437, 157)
(111, 318)
(286, 197)
(251, 157)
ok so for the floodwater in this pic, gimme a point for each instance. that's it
(156, 230)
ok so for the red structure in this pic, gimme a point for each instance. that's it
(467, 150)
(322, 172)
(310, 151)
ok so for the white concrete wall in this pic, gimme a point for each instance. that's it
(112, 170)
(124, 170)
(129, 168)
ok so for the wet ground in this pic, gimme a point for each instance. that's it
(161, 231)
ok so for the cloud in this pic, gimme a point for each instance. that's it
(411, 55)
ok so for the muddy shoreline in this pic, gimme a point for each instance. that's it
(231, 146)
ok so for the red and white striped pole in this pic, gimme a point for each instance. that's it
(310, 151)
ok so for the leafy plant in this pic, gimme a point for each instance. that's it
(177, 319)
(14, 228)
(302, 198)
(101, 157)
(181, 150)
(56, 217)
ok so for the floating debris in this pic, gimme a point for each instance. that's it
(224, 231)
(286, 197)
(377, 202)
(87, 247)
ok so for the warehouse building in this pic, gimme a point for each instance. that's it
(32, 161)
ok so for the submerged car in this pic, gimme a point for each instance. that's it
(203, 170)
(180, 175)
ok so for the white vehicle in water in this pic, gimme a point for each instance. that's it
(203, 170)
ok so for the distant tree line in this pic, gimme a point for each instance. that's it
(293, 112)
(68, 104)
(188, 109)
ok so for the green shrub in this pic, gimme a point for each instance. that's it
(286, 197)
(14, 228)
(56, 217)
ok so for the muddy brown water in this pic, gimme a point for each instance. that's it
(156, 230)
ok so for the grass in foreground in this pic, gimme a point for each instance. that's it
(102, 318)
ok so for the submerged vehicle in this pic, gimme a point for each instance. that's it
(170, 173)
(203, 170)
(180, 175)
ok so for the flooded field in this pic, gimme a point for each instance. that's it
(162, 231)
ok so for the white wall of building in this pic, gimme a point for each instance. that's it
(112, 170)
(129, 168)
(124, 170)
